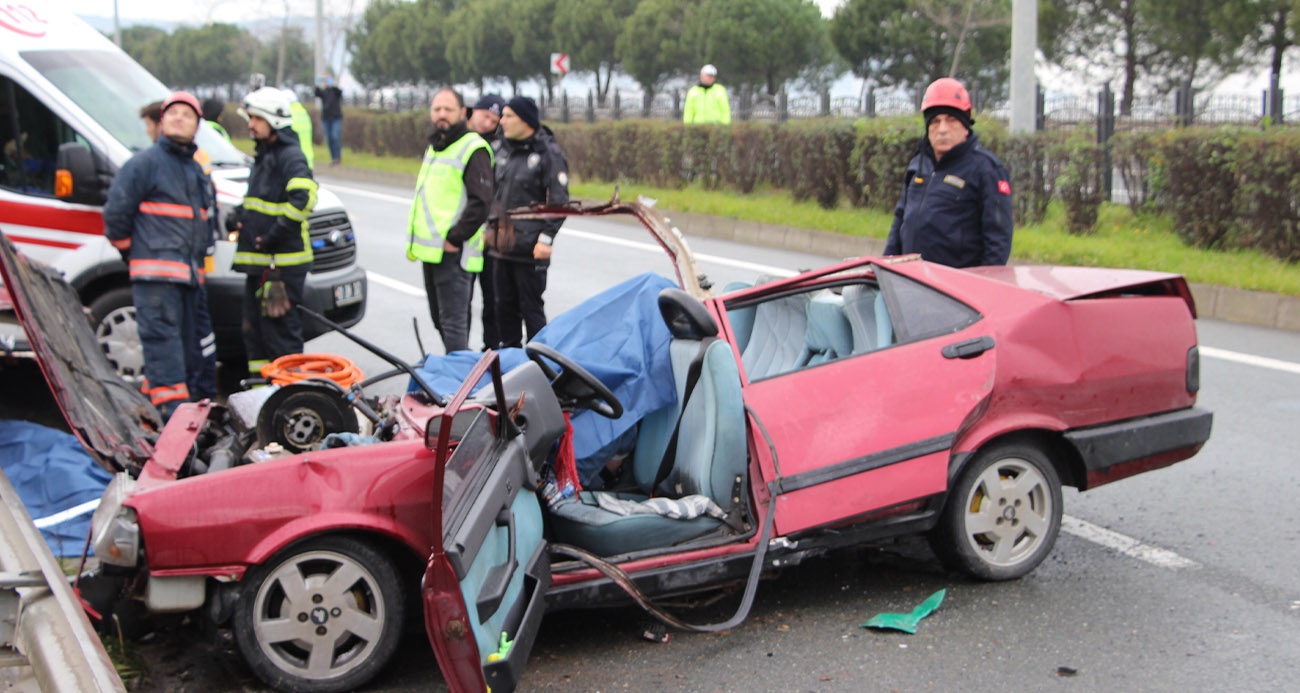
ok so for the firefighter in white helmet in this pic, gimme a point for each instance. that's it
(274, 248)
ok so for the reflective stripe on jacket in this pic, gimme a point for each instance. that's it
(281, 194)
(159, 209)
(440, 200)
(707, 105)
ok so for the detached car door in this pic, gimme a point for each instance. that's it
(485, 583)
(863, 413)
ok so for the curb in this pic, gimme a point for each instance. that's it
(1212, 300)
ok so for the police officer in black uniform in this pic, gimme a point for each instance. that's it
(530, 169)
(956, 203)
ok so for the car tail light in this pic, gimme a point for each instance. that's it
(1193, 369)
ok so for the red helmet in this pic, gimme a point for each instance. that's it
(186, 98)
(946, 91)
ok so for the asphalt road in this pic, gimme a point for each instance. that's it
(1183, 578)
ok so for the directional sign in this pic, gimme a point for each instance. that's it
(560, 63)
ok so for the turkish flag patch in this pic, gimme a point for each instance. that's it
(1004, 187)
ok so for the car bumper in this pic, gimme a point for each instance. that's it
(1118, 450)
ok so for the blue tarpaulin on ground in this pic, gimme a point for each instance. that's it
(620, 337)
(56, 479)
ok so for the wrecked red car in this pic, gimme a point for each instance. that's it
(873, 398)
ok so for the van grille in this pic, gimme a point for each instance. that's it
(332, 241)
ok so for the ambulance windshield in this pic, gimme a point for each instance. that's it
(112, 88)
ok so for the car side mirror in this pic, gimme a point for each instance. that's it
(75, 179)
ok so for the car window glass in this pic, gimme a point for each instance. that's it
(112, 88)
(458, 480)
(919, 311)
(796, 331)
(30, 136)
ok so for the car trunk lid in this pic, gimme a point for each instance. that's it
(1078, 283)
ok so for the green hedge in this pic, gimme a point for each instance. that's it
(1222, 187)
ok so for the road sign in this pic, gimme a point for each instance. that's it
(560, 64)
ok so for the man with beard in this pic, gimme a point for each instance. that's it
(445, 226)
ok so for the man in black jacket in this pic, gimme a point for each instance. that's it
(530, 169)
(159, 215)
(274, 248)
(485, 119)
(956, 203)
(331, 116)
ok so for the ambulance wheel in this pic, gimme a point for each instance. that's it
(112, 314)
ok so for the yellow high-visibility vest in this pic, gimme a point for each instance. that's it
(440, 199)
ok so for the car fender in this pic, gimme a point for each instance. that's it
(1046, 431)
(333, 522)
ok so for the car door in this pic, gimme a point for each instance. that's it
(868, 431)
(486, 579)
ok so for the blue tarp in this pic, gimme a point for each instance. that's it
(620, 337)
(56, 479)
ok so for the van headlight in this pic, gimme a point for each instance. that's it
(115, 531)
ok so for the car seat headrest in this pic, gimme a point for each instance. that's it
(685, 316)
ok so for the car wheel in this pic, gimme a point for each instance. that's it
(113, 316)
(323, 616)
(1002, 516)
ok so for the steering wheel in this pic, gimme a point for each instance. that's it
(575, 387)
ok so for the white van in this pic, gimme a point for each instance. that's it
(69, 118)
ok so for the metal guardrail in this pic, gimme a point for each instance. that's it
(42, 624)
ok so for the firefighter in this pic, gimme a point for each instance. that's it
(956, 203)
(160, 215)
(274, 249)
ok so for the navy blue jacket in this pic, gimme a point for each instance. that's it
(281, 194)
(956, 211)
(161, 212)
(531, 171)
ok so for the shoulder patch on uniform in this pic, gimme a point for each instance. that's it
(954, 181)
(1004, 187)
(533, 159)
(562, 177)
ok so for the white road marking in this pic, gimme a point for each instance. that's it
(63, 516)
(395, 284)
(699, 257)
(1124, 544)
(1251, 359)
(383, 197)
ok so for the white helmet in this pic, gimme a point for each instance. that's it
(288, 94)
(269, 104)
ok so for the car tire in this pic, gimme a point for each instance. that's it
(1002, 516)
(344, 627)
(112, 315)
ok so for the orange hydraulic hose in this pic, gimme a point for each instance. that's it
(293, 368)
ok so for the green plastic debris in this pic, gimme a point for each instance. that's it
(907, 622)
(503, 649)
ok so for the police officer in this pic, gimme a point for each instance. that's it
(530, 169)
(445, 227)
(160, 214)
(485, 119)
(274, 249)
(956, 203)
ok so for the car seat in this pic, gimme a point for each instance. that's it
(829, 335)
(776, 340)
(864, 306)
(710, 455)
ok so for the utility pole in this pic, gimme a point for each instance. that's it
(1024, 45)
(320, 39)
(117, 27)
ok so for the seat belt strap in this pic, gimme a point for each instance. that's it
(692, 377)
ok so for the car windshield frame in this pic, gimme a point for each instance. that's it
(112, 88)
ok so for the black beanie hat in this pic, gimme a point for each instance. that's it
(963, 116)
(526, 109)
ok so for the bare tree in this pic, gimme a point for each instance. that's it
(960, 19)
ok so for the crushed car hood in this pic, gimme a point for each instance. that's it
(112, 418)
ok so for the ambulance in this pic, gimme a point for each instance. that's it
(70, 101)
